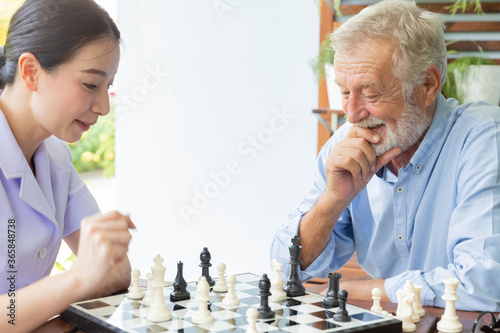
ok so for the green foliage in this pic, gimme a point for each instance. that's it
(325, 55)
(457, 71)
(463, 5)
(96, 149)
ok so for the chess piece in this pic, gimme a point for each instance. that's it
(404, 311)
(265, 311)
(135, 291)
(203, 315)
(411, 289)
(376, 296)
(159, 271)
(417, 304)
(342, 315)
(449, 322)
(293, 286)
(277, 293)
(221, 285)
(231, 299)
(158, 311)
(252, 314)
(205, 265)
(150, 292)
(180, 292)
(331, 300)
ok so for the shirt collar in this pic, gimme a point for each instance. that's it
(12, 161)
(14, 165)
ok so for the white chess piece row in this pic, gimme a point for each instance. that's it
(410, 308)
(158, 310)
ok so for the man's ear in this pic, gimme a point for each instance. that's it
(432, 84)
(29, 70)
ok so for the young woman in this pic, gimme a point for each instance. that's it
(55, 69)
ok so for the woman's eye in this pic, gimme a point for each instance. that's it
(90, 86)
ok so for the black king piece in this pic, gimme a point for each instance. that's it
(293, 286)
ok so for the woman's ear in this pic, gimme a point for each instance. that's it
(29, 70)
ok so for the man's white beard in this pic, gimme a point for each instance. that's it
(409, 129)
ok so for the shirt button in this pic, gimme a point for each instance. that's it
(400, 189)
(42, 253)
(418, 167)
(400, 237)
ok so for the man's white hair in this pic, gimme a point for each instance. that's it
(416, 35)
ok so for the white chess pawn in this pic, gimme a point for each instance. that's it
(158, 311)
(150, 292)
(404, 311)
(417, 304)
(376, 296)
(277, 293)
(220, 285)
(231, 298)
(203, 315)
(159, 271)
(252, 315)
(411, 289)
(449, 322)
(135, 291)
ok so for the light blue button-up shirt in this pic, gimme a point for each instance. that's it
(43, 210)
(439, 218)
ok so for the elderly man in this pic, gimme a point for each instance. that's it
(411, 183)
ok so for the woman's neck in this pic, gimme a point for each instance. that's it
(15, 105)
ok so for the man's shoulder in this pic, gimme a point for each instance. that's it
(477, 114)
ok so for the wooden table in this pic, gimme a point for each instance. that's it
(426, 325)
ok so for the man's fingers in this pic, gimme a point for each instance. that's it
(356, 161)
(365, 133)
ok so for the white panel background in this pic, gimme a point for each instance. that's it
(200, 82)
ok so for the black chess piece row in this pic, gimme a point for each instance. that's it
(293, 286)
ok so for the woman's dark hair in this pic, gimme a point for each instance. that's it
(53, 31)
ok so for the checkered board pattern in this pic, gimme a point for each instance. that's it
(298, 314)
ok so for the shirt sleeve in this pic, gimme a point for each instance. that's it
(339, 249)
(81, 203)
(474, 231)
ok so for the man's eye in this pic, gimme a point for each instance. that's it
(90, 86)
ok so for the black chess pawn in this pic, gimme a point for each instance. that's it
(205, 264)
(293, 286)
(331, 300)
(265, 311)
(342, 315)
(180, 292)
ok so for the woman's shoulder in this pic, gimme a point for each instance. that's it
(58, 150)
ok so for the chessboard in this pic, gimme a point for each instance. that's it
(305, 313)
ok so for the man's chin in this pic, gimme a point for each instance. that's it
(380, 149)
